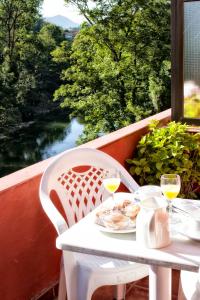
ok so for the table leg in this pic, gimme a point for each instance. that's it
(159, 283)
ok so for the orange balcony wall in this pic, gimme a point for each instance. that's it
(29, 261)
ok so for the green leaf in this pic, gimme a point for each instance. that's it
(147, 169)
(159, 165)
(132, 170)
(138, 170)
(129, 161)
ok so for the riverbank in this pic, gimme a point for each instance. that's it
(38, 140)
(38, 115)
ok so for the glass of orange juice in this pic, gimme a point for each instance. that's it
(111, 181)
(170, 186)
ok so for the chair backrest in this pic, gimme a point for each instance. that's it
(76, 177)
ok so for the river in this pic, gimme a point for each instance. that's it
(47, 137)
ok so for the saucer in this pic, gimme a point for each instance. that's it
(186, 231)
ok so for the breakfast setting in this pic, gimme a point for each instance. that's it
(150, 230)
(153, 210)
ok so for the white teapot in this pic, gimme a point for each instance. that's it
(147, 191)
(152, 223)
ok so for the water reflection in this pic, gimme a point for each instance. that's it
(70, 136)
(39, 141)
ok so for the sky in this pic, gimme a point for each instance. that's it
(56, 7)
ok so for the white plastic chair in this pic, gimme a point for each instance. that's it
(189, 287)
(79, 193)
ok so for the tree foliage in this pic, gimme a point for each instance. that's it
(28, 75)
(119, 64)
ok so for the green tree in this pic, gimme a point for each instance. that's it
(38, 60)
(17, 18)
(51, 35)
(28, 75)
(119, 64)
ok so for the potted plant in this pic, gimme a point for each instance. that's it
(169, 149)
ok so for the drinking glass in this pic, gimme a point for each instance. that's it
(170, 186)
(111, 181)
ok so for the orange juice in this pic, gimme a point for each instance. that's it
(111, 184)
(170, 191)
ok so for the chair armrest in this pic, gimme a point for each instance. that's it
(129, 182)
(53, 214)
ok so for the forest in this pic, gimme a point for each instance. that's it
(28, 74)
(116, 70)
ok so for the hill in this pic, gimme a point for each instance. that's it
(62, 21)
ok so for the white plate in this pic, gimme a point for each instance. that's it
(118, 198)
(110, 230)
(184, 230)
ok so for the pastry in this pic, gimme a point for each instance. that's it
(132, 211)
(120, 216)
(116, 220)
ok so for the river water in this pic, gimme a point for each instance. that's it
(42, 139)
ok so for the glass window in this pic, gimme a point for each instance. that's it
(186, 61)
(191, 60)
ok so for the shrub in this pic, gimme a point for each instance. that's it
(170, 149)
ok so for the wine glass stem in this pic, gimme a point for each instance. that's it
(113, 198)
(170, 209)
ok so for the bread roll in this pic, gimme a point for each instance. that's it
(131, 211)
(116, 221)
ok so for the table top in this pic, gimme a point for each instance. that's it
(85, 237)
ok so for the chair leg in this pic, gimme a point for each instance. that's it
(62, 292)
(85, 286)
(180, 292)
(189, 286)
(120, 292)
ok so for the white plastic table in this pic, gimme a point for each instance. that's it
(182, 254)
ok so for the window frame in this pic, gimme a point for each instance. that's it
(177, 60)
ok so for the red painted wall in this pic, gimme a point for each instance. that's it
(29, 261)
